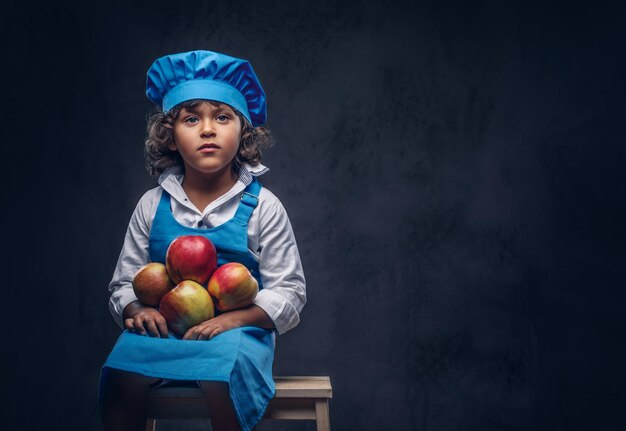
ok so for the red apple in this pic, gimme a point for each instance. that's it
(151, 282)
(191, 257)
(232, 286)
(187, 305)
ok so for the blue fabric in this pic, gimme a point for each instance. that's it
(230, 239)
(176, 78)
(242, 357)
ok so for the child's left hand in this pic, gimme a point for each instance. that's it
(252, 315)
(212, 327)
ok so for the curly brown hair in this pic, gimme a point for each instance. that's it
(254, 140)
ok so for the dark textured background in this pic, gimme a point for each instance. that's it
(453, 172)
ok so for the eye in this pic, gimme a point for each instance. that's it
(191, 120)
(222, 117)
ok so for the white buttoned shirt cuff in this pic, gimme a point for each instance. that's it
(271, 242)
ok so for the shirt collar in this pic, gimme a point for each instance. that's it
(171, 180)
(245, 174)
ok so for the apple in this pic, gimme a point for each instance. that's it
(191, 257)
(151, 282)
(186, 305)
(232, 286)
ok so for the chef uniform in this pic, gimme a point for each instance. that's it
(241, 357)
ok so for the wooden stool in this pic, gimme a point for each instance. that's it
(297, 398)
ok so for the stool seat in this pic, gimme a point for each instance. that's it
(297, 398)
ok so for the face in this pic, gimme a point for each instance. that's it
(207, 137)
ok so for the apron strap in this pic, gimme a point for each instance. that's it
(249, 201)
(164, 203)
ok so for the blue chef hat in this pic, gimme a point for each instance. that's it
(207, 75)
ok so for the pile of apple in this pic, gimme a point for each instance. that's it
(189, 287)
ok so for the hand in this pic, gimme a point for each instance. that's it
(141, 318)
(212, 327)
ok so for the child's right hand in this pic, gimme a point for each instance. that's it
(141, 319)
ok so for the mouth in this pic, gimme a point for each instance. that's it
(209, 146)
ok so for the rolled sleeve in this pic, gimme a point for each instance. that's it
(120, 298)
(282, 312)
(284, 288)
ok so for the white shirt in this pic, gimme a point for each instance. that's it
(270, 240)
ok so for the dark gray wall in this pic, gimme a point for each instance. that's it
(453, 172)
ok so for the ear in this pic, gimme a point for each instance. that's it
(172, 146)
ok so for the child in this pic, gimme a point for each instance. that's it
(205, 143)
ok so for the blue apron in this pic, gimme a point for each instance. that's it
(242, 357)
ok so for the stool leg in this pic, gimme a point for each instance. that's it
(322, 417)
(151, 425)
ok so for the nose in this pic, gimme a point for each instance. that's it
(207, 128)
